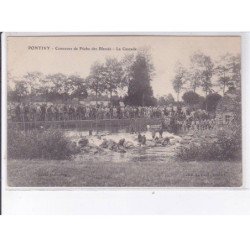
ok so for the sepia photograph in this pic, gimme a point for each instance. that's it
(124, 111)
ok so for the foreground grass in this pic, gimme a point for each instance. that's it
(41, 173)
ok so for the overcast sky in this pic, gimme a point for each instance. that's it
(165, 51)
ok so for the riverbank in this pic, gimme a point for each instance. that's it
(172, 173)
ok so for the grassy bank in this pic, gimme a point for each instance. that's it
(51, 173)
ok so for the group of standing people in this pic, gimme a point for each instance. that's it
(173, 119)
(62, 112)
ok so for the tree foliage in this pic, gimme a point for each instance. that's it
(165, 100)
(140, 74)
(113, 76)
(211, 101)
(180, 79)
(228, 72)
(20, 91)
(191, 98)
(95, 80)
(78, 87)
(131, 79)
(201, 72)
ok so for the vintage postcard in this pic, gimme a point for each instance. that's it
(123, 111)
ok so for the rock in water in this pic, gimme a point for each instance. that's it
(139, 138)
(121, 142)
(163, 141)
(121, 150)
(73, 147)
(166, 140)
(128, 144)
(143, 140)
(104, 144)
(110, 144)
(172, 141)
(83, 142)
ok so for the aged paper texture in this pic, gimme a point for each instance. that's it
(124, 111)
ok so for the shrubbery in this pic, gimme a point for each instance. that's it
(226, 145)
(46, 144)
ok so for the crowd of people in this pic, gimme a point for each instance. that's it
(173, 118)
(59, 112)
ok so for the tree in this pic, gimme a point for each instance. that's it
(191, 98)
(193, 76)
(127, 63)
(180, 79)
(10, 88)
(20, 91)
(55, 85)
(140, 92)
(165, 100)
(11, 94)
(223, 72)
(201, 72)
(78, 87)
(170, 99)
(211, 101)
(228, 72)
(162, 101)
(50, 87)
(26, 86)
(113, 76)
(236, 70)
(34, 81)
(96, 79)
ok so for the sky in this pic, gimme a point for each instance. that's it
(76, 54)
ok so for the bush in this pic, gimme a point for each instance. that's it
(46, 144)
(191, 98)
(211, 102)
(226, 145)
